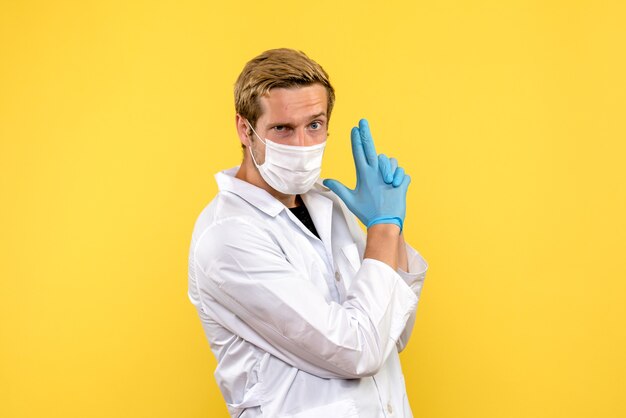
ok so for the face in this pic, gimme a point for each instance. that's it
(294, 116)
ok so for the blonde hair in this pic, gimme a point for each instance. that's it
(277, 68)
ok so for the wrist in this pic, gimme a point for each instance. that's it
(390, 230)
(388, 220)
(382, 240)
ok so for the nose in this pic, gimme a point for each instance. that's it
(302, 137)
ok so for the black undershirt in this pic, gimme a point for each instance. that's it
(302, 213)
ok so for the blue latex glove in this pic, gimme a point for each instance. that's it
(373, 201)
(392, 174)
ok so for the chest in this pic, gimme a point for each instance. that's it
(329, 262)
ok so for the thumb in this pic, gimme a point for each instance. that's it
(339, 189)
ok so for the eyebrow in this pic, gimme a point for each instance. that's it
(288, 124)
(318, 115)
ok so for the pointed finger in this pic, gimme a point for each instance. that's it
(368, 143)
(357, 150)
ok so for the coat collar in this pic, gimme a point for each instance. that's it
(261, 199)
(257, 197)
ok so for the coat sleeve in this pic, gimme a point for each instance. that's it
(417, 267)
(415, 280)
(264, 299)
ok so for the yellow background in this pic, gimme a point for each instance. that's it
(509, 116)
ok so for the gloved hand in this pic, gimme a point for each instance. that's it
(392, 174)
(373, 201)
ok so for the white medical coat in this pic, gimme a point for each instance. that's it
(300, 327)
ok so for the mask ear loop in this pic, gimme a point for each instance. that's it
(263, 142)
(257, 135)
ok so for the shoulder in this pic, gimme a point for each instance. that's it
(228, 228)
(228, 211)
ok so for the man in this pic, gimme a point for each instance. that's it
(304, 312)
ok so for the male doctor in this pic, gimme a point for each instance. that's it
(304, 312)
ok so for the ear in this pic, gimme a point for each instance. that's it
(242, 130)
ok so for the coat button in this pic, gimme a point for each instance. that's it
(337, 276)
(389, 408)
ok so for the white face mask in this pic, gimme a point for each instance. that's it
(290, 169)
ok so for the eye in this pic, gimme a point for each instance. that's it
(316, 125)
